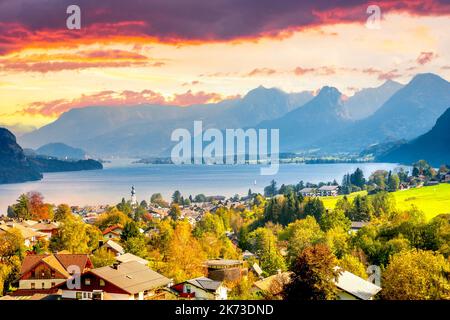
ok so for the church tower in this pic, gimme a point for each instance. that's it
(133, 197)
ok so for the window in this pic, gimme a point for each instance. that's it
(102, 283)
(89, 295)
(188, 289)
(84, 295)
(33, 286)
(53, 284)
(78, 295)
(43, 285)
(87, 281)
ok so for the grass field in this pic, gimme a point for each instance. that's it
(431, 200)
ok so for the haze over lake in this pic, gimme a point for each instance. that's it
(109, 185)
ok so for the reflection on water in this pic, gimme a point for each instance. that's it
(109, 185)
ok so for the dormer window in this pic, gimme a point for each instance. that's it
(87, 281)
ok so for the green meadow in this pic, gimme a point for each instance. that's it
(432, 200)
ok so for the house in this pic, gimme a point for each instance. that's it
(352, 287)
(356, 225)
(272, 285)
(447, 177)
(42, 273)
(30, 236)
(113, 247)
(328, 191)
(248, 255)
(225, 270)
(131, 257)
(113, 232)
(201, 288)
(308, 192)
(125, 281)
(49, 229)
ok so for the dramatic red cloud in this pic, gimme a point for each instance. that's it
(389, 75)
(425, 57)
(324, 71)
(39, 23)
(74, 61)
(124, 98)
(261, 72)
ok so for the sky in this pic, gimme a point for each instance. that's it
(187, 52)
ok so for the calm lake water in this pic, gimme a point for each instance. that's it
(109, 185)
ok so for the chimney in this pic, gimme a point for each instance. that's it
(115, 265)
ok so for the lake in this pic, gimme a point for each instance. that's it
(109, 185)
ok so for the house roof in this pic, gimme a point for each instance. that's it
(42, 226)
(205, 283)
(358, 224)
(26, 232)
(266, 283)
(111, 229)
(217, 263)
(80, 260)
(328, 188)
(356, 286)
(56, 265)
(58, 262)
(257, 269)
(114, 245)
(308, 190)
(132, 277)
(131, 257)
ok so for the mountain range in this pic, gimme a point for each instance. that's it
(326, 123)
(434, 146)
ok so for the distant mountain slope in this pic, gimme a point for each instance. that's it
(366, 102)
(14, 166)
(61, 151)
(434, 146)
(320, 117)
(410, 112)
(145, 130)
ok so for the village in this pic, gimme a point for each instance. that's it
(115, 262)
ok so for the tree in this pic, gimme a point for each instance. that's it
(335, 218)
(357, 178)
(11, 244)
(130, 230)
(22, 208)
(184, 255)
(62, 212)
(125, 207)
(110, 218)
(271, 190)
(264, 243)
(73, 236)
(314, 207)
(102, 258)
(175, 211)
(200, 198)
(393, 182)
(313, 275)
(362, 209)
(416, 275)
(137, 246)
(383, 204)
(176, 197)
(39, 209)
(300, 235)
(157, 199)
(352, 264)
